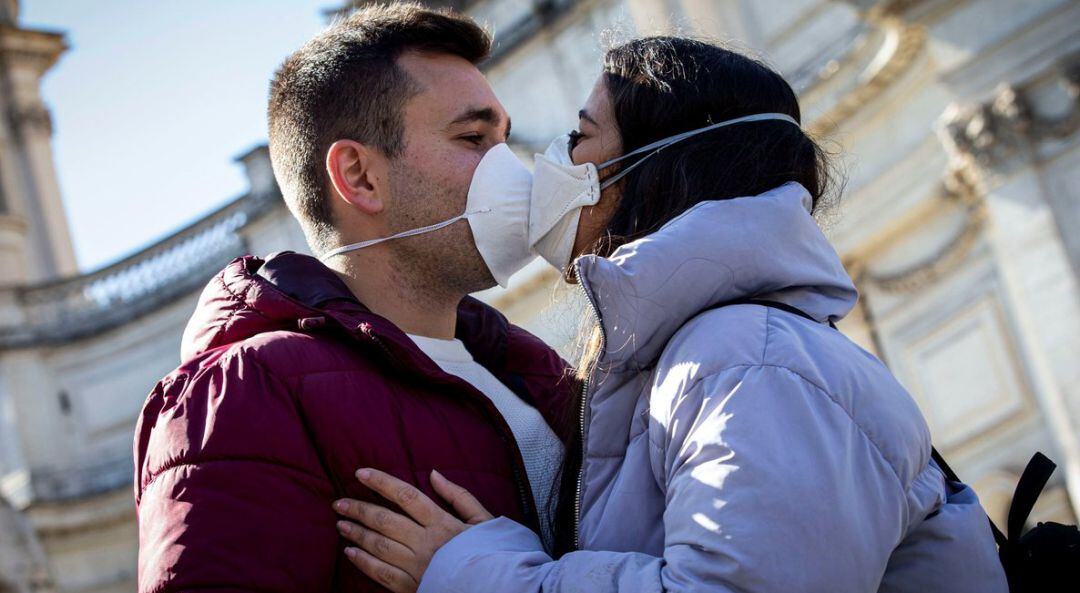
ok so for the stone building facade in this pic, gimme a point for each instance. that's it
(957, 124)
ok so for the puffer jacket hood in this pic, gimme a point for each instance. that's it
(767, 247)
(247, 298)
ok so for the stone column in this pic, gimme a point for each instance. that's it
(12, 249)
(1021, 150)
(30, 189)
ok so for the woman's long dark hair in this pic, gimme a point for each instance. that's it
(662, 86)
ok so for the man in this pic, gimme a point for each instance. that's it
(295, 373)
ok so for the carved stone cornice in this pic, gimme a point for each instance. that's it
(29, 47)
(31, 118)
(895, 7)
(960, 189)
(989, 134)
(910, 40)
(1003, 131)
(885, 8)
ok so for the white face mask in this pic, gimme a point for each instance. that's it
(561, 189)
(497, 209)
(516, 215)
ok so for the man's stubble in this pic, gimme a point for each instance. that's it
(443, 262)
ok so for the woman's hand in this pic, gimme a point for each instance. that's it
(394, 549)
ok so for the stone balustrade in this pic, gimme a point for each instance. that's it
(82, 481)
(79, 306)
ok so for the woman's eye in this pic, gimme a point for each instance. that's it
(575, 137)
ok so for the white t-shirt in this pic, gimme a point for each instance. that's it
(541, 450)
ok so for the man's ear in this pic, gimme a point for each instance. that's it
(357, 175)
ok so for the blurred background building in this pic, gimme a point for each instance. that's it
(958, 124)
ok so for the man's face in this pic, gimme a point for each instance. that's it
(448, 127)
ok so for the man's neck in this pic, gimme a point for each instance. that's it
(389, 291)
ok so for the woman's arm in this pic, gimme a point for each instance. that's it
(770, 487)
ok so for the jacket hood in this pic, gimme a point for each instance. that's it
(766, 246)
(238, 304)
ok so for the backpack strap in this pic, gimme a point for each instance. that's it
(950, 475)
(774, 305)
(1031, 484)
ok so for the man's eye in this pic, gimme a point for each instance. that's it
(475, 139)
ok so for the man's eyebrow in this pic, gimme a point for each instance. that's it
(484, 114)
(585, 116)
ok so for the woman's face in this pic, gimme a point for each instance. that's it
(596, 140)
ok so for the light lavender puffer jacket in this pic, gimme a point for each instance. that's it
(741, 448)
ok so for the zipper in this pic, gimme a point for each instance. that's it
(584, 404)
(528, 504)
(525, 497)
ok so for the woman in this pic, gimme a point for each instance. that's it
(731, 439)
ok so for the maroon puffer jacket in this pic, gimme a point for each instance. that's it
(287, 386)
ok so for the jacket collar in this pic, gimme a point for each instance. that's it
(766, 246)
(293, 291)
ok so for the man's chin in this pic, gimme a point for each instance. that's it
(487, 284)
(472, 278)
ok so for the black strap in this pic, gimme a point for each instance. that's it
(950, 475)
(940, 461)
(774, 305)
(1031, 484)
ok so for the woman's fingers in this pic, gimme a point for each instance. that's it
(391, 577)
(397, 527)
(394, 549)
(468, 508)
(378, 545)
(405, 495)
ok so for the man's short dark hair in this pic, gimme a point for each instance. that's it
(346, 84)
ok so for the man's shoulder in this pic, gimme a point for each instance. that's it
(282, 369)
(282, 354)
(248, 401)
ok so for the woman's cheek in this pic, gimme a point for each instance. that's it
(591, 225)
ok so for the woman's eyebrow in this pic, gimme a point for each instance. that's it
(585, 116)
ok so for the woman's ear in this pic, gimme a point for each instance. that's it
(356, 175)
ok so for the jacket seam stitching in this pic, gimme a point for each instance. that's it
(768, 324)
(219, 339)
(215, 342)
(177, 464)
(273, 378)
(241, 298)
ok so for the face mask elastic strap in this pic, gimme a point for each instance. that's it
(663, 143)
(411, 233)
